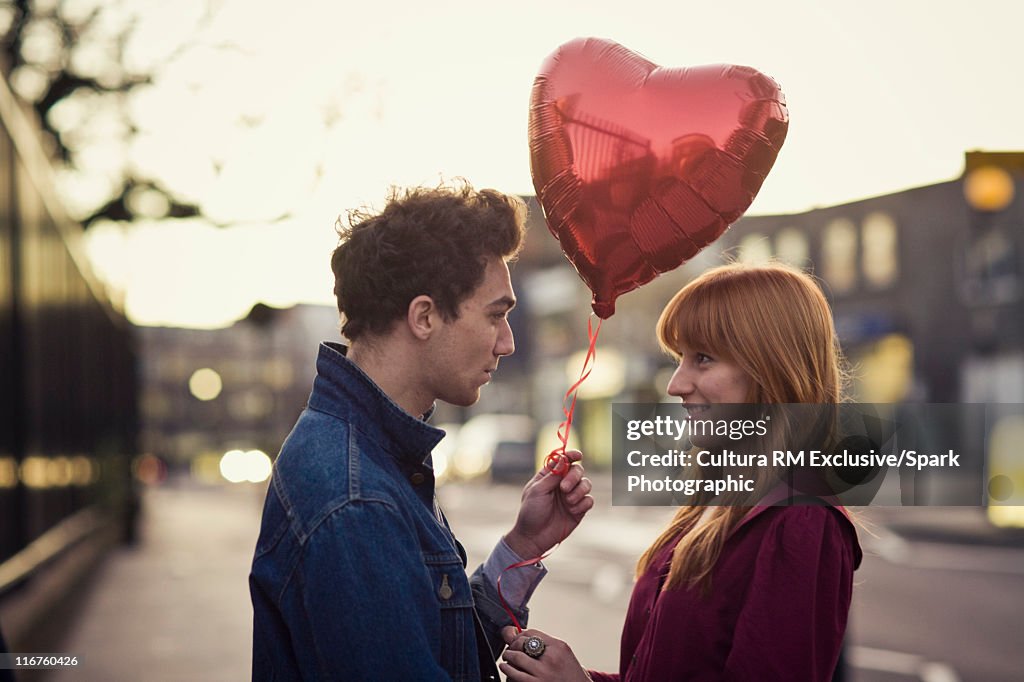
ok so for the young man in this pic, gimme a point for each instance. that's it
(357, 575)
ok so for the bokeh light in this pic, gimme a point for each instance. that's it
(149, 469)
(253, 466)
(989, 188)
(205, 384)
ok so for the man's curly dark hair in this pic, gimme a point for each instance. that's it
(432, 241)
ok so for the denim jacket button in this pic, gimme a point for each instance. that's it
(446, 590)
(417, 478)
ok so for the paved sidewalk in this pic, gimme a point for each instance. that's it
(947, 525)
(176, 607)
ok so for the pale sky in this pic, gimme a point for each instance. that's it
(321, 106)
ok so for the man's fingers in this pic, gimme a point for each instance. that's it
(572, 477)
(585, 505)
(575, 492)
(545, 480)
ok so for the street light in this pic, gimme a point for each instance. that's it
(988, 188)
(205, 384)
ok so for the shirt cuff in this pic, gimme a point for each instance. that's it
(517, 584)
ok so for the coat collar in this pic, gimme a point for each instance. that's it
(345, 391)
(782, 495)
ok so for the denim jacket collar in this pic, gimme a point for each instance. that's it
(345, 391)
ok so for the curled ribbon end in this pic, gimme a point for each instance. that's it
(557, 463)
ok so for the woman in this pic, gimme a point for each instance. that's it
(734, 592)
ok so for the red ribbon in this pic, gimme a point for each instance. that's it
(556, 462)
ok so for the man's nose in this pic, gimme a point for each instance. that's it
(506, 344)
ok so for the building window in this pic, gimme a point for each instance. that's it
(879, 256)
(755, 250)
(991, 267)
(885, 370)
(791, 246)
(839, 255)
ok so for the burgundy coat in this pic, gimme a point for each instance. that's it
(777, 609)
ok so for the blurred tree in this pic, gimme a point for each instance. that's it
(67, 59)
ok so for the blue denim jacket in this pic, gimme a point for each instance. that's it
(356, 574)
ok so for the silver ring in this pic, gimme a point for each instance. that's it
(534, 646)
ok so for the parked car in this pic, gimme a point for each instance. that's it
(479, 440)
(513, 461)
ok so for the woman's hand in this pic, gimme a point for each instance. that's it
(557, 662)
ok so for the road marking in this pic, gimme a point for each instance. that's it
(901, 663)
(938, 672)
(889, 546)
(937, 556)
(883, 659)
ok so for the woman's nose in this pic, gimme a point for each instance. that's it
(680, 385)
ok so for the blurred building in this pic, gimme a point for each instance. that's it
(204, 392)
(926, 285)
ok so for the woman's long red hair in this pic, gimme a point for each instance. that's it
(774, 322)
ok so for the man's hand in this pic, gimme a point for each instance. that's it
(551, 509)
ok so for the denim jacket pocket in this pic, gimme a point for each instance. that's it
(454, 600)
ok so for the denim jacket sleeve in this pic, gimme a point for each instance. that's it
(492, 614)
(366, 593)
(517, 588)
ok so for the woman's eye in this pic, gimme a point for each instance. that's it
(702, 358)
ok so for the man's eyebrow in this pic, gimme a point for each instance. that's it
(506, 302)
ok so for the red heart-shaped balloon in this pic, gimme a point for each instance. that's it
(639, 167)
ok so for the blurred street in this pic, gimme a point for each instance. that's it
(177, 607)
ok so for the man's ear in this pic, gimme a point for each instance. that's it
(422, 317)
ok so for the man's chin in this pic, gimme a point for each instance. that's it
(467, 400)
